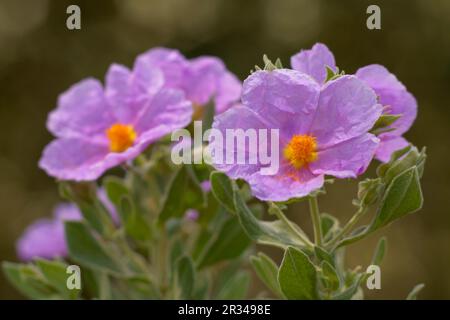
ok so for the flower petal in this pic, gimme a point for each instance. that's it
(202, 79)
(43, 239)
(171, 62)
(228, 92)
(239, 117)
(347, 159)
(287, 99)
(388, 145)
(347, 108)
(128, 92)
(285, 185)
(314, 61)
(392, 93)
(74, 159)
(167, 111)
(84, 160)
(82, 111)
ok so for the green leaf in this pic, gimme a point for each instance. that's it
(380, 251)
(86, 249)
(396, 155)
(297, 276)
(27, 281)
(415, 291)
(403, 196)
(330, 73)
(267, 271)
(84, 194)
(55, 273)
(330, 226)
(323, 255)
(222, 189)
(350, 291)
(369, 192)
(278, 64)
(185, 276)
(231, 242)
(330, 275)
(136, 225)
(383, 122)
(235, 288)
(173, 204)
(274, 233)
(115, 189)
(268, 64)
(412, 159)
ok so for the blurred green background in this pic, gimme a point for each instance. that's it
(40, 58)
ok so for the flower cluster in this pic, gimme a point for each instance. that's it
(98, 127)
(163, 229)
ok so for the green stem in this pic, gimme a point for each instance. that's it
(315, 217)
(347, 228)
(288, 223)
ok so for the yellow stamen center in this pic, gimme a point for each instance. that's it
(121, 137)
(301, 150)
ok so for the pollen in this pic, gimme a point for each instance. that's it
(121, 137)
(301, 150)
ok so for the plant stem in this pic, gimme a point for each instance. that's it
(315, 217)
(348, 227)
(288, 223)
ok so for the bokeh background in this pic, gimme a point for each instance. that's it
(40, 58)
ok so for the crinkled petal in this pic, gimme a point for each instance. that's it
(128, 92)
(82, 111)
(378, 77)
(287, 99)
(202, 79)
(228, 93)
(314, 61)
(392, 93)
(388, 145)
(74, 159)
(167, 111)
(82, 160)
(285, 185)
(347, 108)
(347, 159)
(243, 118)
(171, 62)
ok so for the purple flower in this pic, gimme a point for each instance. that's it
(191, 215)
(206, 185)
(391, 93)
(45, 237)
(98, 128)
(322, 130)
(202, 79)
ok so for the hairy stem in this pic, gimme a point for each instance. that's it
(315, 217)
(280, 215)
(347, 228)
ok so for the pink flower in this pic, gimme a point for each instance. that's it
(45, 238)
(323, 130)
(99, 128)
(391, 93)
